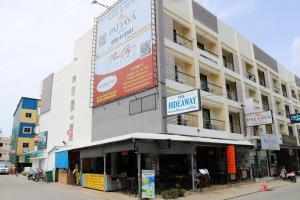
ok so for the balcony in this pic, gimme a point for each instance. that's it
(214, 124)
(183, 78)
(232, 95)
(235, 128)
(205, 53)
(228, 65)
(211, 88)
(178, 39)
(265, 107)
(183, 120)
(262, 82)
(251, 77)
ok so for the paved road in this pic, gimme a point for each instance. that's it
(287, 192)
(18, 188)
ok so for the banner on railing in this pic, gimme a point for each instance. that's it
(183, 103)
(259, 118)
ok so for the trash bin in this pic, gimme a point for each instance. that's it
(49, 176)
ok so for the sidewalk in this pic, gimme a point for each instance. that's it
(234, 191)
(217, 194)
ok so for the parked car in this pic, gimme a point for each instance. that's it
(3, 168)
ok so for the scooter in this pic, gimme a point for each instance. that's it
(30, 174)
(288, 176)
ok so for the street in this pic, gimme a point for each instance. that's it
(287, 192)
(18, 188)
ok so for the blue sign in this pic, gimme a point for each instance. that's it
(183, 103)
(295, 118)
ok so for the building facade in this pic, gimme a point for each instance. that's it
(192, 50)
(4, 149)
(23, 131)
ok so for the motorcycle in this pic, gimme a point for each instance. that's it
(30, 174)
(39, 176)
(288, 176)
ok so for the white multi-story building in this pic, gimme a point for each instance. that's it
(4, 149)
(195, 50)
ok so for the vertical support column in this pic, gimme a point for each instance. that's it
(139, 174)
(104, 171)
(81, 164)
(192, 168)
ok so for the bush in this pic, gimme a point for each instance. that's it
(173, 193)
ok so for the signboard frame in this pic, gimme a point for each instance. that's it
(199, 102)
(122, 86)
(258, 124)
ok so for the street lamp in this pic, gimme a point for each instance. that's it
(103, 5)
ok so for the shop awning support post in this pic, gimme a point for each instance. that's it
(193, 175)
(104, 171)
(139, 175)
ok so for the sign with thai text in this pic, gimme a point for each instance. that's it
(270, 142)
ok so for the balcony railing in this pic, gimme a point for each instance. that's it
(214, 124)
(228, 65)
(265, 106)
(251, 77)
(287, 114)
(284, 93)
(184, 120)
(184, 78)
(235, 128)
(232, 95)
(211, 88)
(262, 82)
(182, 40)
(276, 89)
(205, 53)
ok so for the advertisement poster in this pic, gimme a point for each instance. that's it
(231, 162)
(124, 60)
(259, 118)
(94, 181)
(183, 103)
(295, 118)
(148, 184)
(42, 140)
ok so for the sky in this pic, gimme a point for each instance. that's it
(37, 38)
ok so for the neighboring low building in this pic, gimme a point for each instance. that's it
(23, 132)
(4, 149)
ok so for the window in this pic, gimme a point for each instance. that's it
(1, 144)
(73, 79)
(28, 115)
(73, 91)
(25, 145)
(0, 154)
(291, 130)
(27, 129)
(143, 104)
(72, 105)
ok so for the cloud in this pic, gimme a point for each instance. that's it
(296, 52)
(229, 9)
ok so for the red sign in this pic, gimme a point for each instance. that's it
(70, 133)
(231, 162)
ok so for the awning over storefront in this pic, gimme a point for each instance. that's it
(157, 136)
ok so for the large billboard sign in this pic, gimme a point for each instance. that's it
(270, 142)
(183, 103)
(295, 118)
(42, 140)
(259, 118)
(124, 62)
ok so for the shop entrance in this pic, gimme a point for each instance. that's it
(214, 160)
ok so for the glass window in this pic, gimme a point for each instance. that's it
(28, 115)
(27, 129)
(25, 145)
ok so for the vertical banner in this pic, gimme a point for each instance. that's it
(124, 52)
(231, 162)
(148, 184)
